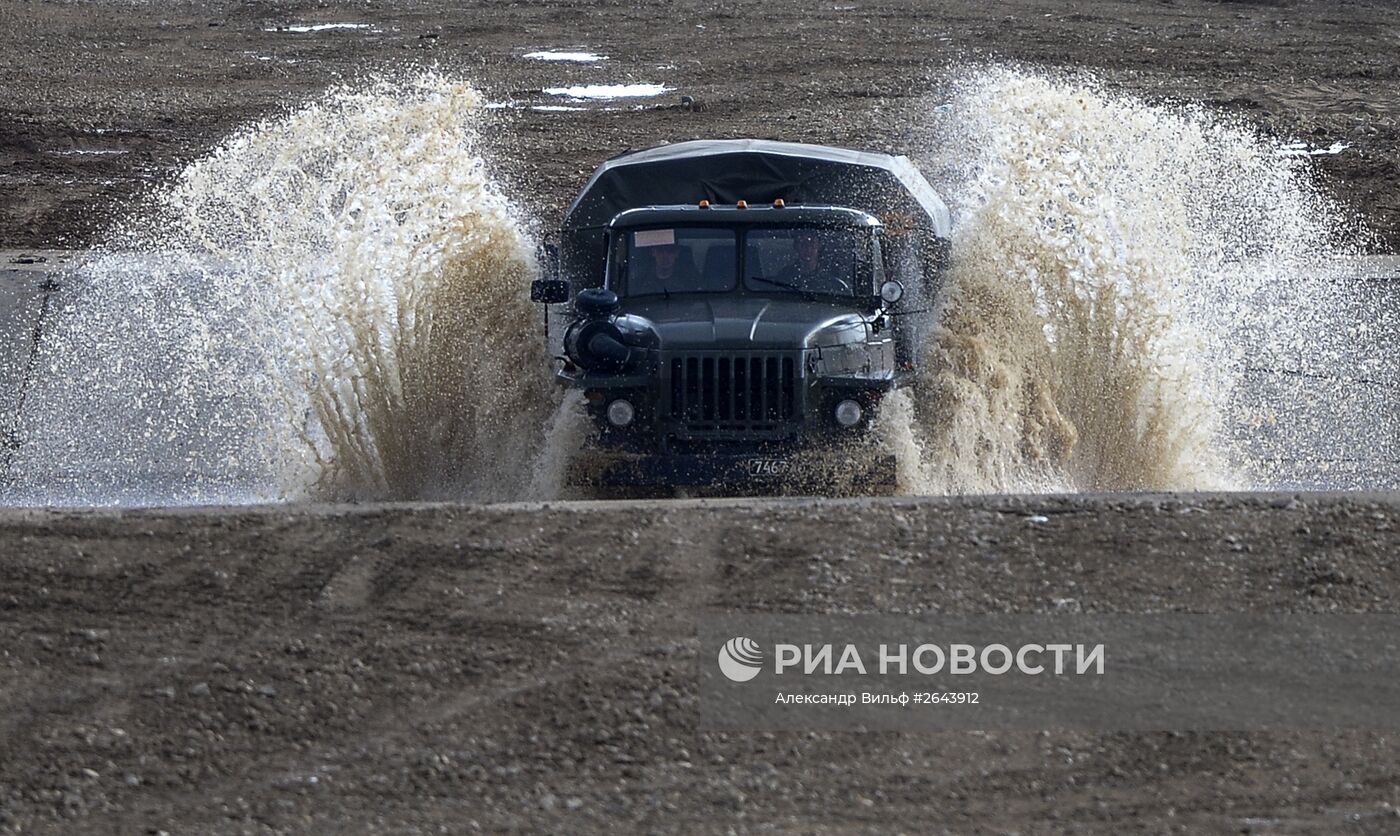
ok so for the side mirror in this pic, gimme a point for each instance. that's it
(549, 291)
(891, 292)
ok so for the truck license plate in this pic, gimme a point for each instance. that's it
(768, 467)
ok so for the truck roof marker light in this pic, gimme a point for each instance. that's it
(743, 204)
(704, 204)
(778, 204)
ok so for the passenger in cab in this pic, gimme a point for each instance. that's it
(807, 270)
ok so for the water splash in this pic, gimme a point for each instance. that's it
(1108, 260)
(332, 304)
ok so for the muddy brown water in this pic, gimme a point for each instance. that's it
(1318, 417)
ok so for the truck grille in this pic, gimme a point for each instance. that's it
(728, 393)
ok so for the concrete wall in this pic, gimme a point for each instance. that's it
(21, 296)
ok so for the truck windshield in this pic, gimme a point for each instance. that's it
(807, 260)
(810, 260)
(681, 260)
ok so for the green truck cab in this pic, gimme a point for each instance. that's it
(741, 343)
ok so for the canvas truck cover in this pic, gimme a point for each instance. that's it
(758, 171)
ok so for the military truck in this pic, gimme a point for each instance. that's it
(735, 312)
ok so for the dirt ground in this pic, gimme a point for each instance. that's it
(447, 668)
(100, 100)
(452, 668)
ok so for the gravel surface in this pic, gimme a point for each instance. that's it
(447, 667)
(100, 100)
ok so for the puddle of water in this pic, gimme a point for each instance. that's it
(317, 27)
(1301, 149)
(575, 57)
(609, 91)
(546, 108)
(88, 152)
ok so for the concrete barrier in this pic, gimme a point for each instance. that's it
(23, 279)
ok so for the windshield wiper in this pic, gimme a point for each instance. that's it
(804, 291)
(778, 283)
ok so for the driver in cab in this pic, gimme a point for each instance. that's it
(666, 267)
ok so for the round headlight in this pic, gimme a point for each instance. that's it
(891, 292)
(620, 413)
(848, 413)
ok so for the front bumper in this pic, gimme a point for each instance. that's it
(824, 471)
